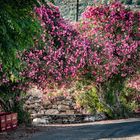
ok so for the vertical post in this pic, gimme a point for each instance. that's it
(77, 10)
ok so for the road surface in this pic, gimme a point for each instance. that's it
(104, 130)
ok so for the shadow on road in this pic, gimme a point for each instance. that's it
(91, 132)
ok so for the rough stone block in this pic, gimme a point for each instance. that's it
(70, 111)
(63, 107)
(51, 111)
(38, 121)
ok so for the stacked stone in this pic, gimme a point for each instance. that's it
(33, 105)
(67, 119)
(59, 109)
(60, 105)
(33, 102)
(36, 105)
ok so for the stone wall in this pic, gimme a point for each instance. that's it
(60, 109)
(67, 119)
(36, 104)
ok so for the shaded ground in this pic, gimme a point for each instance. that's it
(105, 130)
(93, 131)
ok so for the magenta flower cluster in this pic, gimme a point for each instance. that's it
(105, 43)
(64, 52)
(114, 35)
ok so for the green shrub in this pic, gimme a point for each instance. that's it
(113, 98)
(13, 101)
(92, 100)
(119, 98)
(88, 97)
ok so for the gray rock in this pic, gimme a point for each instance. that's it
(46, 103)
(72, 119)
(62, 112)
(65, 120)
(100, 116)
(60, 121)
(60, 98)
(48, 107)
(33, 115)
(41, 112)
(33, 112)
(38, 121)
(63, 107)
(70, 111)
(35, 92)
(51, 111)
(89, 119)
(31, 106)
(54, 106)
(27, 102)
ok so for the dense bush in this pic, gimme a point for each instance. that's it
(119, 98)
(64, 52)
(114, 98)
(89, 99)
(113, 32)
(103, 47)
(107, 45)
(114, 35)
(18, 30)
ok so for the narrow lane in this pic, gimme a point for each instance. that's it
(94, 131)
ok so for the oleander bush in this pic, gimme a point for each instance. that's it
(113, 32)
(103, 48)
(106, 45)
(63, 54)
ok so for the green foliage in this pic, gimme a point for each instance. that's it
(18, 30)
(113, 98)
(13, 101)
(119, 98)
(91, 99)
(88, 97)
(138, 2)
(127, 1)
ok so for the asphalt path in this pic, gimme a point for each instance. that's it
(106, 130)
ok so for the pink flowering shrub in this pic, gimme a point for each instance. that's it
(113, 32)
(63, 54)
(105, 43)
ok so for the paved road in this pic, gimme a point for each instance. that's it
(106, 130)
